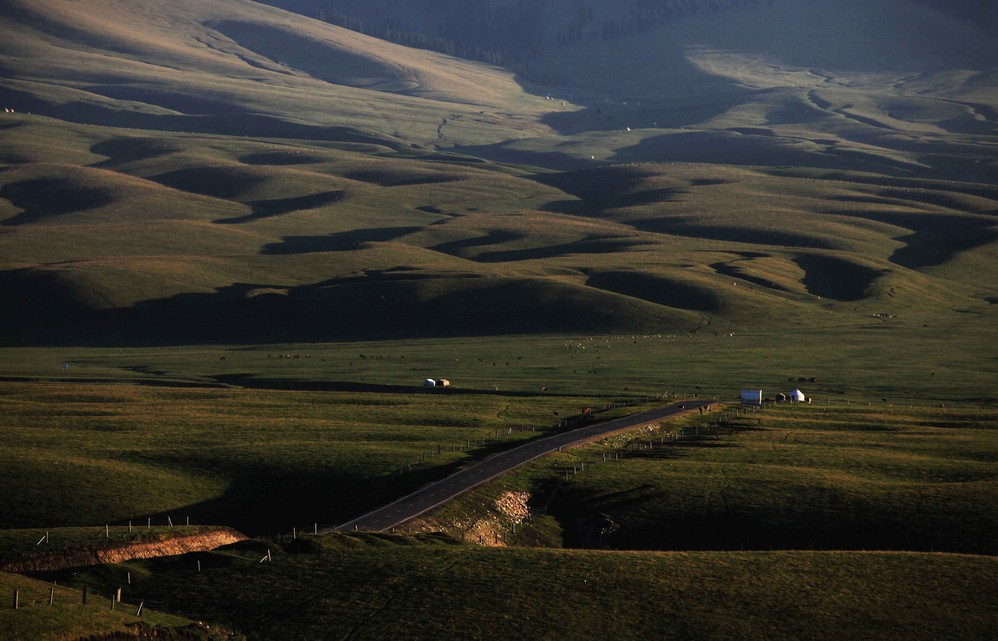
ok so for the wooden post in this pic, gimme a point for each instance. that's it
(294, 533)
(148, 522)
(51, 595)
(129, 527)
(138, 612)
(199, 566)
(315, 528)
(107, 531)
(169, 521)
(128, 578)
(117, 595)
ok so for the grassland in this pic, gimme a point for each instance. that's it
(803, 477)
(784, 481)
(235, 241)
(68, 618)
(376, 587)
(259, 460)
(236, 185)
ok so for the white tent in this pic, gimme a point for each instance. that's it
(429, 383)
(797, 396)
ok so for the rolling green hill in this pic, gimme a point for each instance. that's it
(567, 202)
(232, 171)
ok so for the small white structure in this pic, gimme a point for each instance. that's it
(429, 383)
(797, 396)
(751, 397)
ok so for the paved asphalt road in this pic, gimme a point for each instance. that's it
(429, 497)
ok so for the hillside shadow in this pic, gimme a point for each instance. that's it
(123, 150)
(401, 179)
(687, 228)
(605, 188)
(282, 158)
(493, 237)
(279, 206)
(228, 183)
(174, 101)
(835, 278)
(592, 246)
(655, 289)
(341, 241)
(239, 123)
(734, 271)
(44, 198)
(935, 238)
(403, 304)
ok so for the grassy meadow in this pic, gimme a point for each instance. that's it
(788, 477)
(234, 242)
(380, 586)
(68, 618)
(262, 461)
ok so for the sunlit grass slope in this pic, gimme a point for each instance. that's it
(857, 477)
(254, 459)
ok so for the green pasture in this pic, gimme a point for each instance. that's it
(839, 477)
(378, 586)
(256, 459)
(67, 617)
(896, 360)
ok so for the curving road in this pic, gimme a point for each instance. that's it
(435, 494)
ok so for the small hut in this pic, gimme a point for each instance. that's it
(751, 397)
(797, 396)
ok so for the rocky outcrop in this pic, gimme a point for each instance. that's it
(488, 524)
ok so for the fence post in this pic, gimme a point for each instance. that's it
(51, 595)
